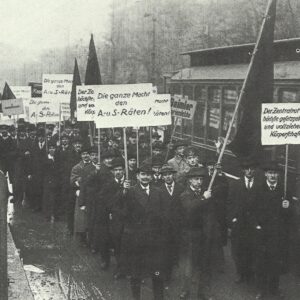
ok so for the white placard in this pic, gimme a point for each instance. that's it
(130, 105)
(182, 107)
(280, 123)
(23, 92)
(41, 110)
(12, 107)
(57, 87)
(85, 101)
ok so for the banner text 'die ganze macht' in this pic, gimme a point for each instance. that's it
(280, 123)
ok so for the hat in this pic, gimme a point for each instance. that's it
(40, 132)
(108, 154)
(118, 162)
(4, 127)
(167, 169)
(190, 151)
(157, 161)
(247, 163)
(145, 167)
(271, 166)
(77, 140)
(93, 149)
(197, 172)
(65, 136)
(85, 148)
(180, 143)
(131, 155)
(51, 144)
(157, 145)
(156, 135)
(132, 135)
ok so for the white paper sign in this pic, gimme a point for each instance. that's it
(57, 87)
(42, 110)
(130, 105)
(85, 101)
(182, 107)
(23, 92)
(12, 107)
(280, 123)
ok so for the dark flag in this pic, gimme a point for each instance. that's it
(76, 81)
(92, 75)
(258, 89)
(7, 94)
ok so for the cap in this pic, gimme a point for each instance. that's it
(197, 172)
(145, 167)
(167, 169)
(157, 161)
(180, 143)
(191, 151)
(131, 155)
(247, 163)
(118, 162)
(271, 166)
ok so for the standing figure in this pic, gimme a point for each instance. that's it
(178, 162)
(200, 234)
(143, 240)
(242, 197)
(274, 224)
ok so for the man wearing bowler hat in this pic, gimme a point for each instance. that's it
(199, 235)
(142, 241)
(171, 191)
(274, 223)
(241, 198)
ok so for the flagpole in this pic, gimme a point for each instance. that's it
(150, 137)
(286, 169)
(46, 139)
(171, 138)
(137, 147)
(240, 96)
(125, 152)
(59, 121)
(99, 146)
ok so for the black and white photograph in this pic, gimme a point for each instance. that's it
(149, 150)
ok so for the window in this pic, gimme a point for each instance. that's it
(175, 89)
(200, 113)
(214, 113)
(230, 96)
(289, 95)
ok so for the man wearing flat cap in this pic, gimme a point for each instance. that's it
(78, 173)
(142, 241)
(199, 235)
(241, 198)
(177, 162)
(274, 224)
(171, 191)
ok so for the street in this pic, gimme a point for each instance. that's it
(58, 268)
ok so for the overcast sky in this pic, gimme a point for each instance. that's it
(36, 24)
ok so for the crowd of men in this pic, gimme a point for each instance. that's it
(162, 215)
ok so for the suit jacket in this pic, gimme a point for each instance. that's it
(79, 172)
(178, 164)
(241, 208)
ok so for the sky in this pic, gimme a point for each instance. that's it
(33, 25)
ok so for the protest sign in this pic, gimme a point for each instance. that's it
(182, 107)
(86, 98)
(12, 107)
(41, 110)
(280, 123)
(130, 105)
(24, 93)
(57, 87)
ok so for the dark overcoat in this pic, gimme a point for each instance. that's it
(142, 242)
(277, 224)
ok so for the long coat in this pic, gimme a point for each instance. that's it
(142, 242)
(277, 224)
(241, 210)
(78, 173)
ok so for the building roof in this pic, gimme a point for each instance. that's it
(251, 45)
(282, 70)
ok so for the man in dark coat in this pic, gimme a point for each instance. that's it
(132, 161)
(39, 157)
(200, 234)
(274, 224)
(171, 191)
(142, 241)
(157, 163)
(241, 209)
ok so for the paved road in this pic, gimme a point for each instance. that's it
(69, 271)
